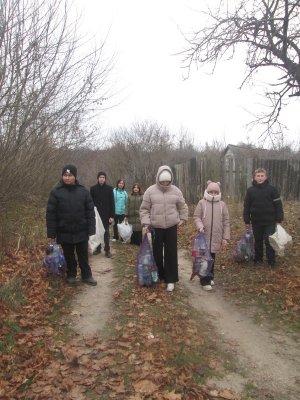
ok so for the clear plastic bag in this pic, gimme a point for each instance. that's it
(125, 231)
(98, 238)
(146, 269)
(244, 249)
(279, 240)
(202, 259)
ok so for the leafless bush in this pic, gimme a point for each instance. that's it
(49, 84)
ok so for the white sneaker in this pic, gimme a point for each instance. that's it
(212, 283)
(113, 240)
(170, 287)
(207, 287)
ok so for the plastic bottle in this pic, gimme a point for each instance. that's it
(154, 275)
(203, 271)
(199, 253)
(196, 247)
(197, 264)
(56, 257)
(147, 277)
(140, 274)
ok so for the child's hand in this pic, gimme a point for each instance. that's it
(225, 243)
(145, 230)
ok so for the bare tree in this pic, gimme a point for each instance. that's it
(138, 151)
(51, 82)
(269, 32)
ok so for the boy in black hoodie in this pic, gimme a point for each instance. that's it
(103, 198)
(263, 209)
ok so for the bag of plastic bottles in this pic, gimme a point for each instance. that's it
(244, 249)
(146, 268)
(54, 259)
(202, 259)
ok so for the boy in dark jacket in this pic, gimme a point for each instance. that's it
(103, 197)
(262, 209)
(70, 220)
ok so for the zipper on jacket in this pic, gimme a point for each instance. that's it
(212, 222)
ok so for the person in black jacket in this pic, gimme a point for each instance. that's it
(263, 209)
(70, 219)
(103, 197)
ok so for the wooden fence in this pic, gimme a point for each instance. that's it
(235, 175)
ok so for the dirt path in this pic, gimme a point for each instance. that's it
(93, 304)
(268, 362)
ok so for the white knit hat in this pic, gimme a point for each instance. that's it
(165, 176)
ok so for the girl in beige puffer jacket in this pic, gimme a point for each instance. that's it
(163, 208)
(211, 216)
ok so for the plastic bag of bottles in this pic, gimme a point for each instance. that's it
(244, 249)
(54, 260)
(202, 259)
(146, 268)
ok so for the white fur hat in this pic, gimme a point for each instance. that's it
(165, 176)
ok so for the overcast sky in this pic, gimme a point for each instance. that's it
(148, 77)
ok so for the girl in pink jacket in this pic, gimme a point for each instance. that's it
(211, 216)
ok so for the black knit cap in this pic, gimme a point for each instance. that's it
(69, 169)
(101, 173)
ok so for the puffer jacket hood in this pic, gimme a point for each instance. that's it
(209, 197)
(160, 170)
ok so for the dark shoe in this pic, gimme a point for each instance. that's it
(89, 281)
(258, 263)
(71, 280)
(272, 264)
(108, 254)
(98, 250)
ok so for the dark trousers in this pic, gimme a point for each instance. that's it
(165, 253)
(82, 256)
(106, 240)
(207, 279)
(136, 238)
(261, 235)
(118, 219)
